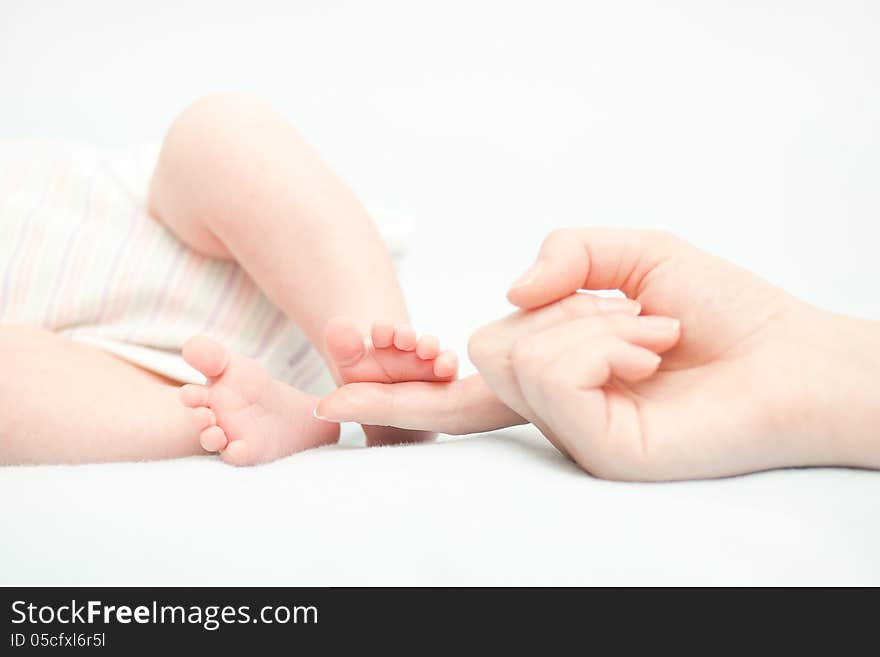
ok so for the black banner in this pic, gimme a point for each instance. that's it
(132, 620)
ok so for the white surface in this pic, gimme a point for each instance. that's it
(501, 509)
(750, 129)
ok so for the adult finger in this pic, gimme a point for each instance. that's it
(457, 407)
(587, 353)
(592, 258)
(490, 347)
(596, 426)
(495, 340)
(654, 332)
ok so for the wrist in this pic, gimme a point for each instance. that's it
(843, 402)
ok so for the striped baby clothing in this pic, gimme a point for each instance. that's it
(81, 256)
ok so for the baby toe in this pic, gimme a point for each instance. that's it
(236, 453)
(206, 355)
(193, 396)
(382, 334)
(213, 439)
(204, 418)
(446, 365)
(405, 338)
(344, 343)
(428, 347)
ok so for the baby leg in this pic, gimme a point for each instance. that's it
(65, 402)
(235, 180)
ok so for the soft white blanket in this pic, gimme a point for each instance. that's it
(502, 508)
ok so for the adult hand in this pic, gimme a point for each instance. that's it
(756, 379)
(751, 378)
(459, 407)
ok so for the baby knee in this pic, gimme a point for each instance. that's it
(209, 163)
(223, 111)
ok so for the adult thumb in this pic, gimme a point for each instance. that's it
(572, 259)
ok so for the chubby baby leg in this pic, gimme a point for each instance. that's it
(65, 402)
(235, 180)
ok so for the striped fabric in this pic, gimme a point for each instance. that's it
(80, 256)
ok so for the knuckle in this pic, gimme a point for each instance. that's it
(523, 352)
(480, 344)
(488, 343)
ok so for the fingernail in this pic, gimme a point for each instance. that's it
(658, 323)
(320, 417)
(618, 305)
(529, 275)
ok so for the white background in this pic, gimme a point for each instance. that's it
(750, 128)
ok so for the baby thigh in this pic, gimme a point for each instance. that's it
(65, 402)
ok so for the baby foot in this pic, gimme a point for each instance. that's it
(245, 415)
(394, 354)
